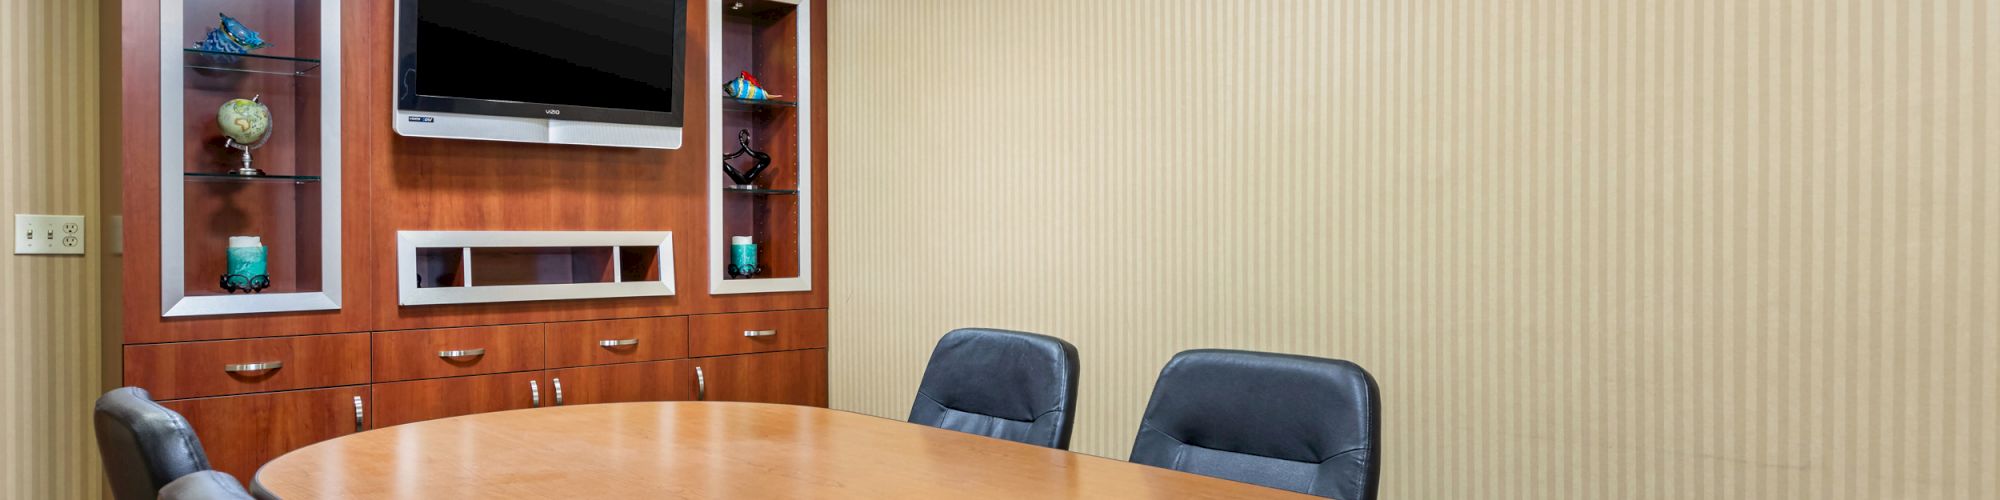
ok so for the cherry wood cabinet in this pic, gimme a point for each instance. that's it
(452, 352)
(788, 377)
(723, 334)
(198, 369)
(584, 343)
(240, 433)
(650, 381)
(419, 400)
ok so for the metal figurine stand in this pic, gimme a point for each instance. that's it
(247, 284)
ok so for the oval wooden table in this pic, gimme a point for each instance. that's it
(708, 450)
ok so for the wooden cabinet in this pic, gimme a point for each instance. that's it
(198, 369)
(743, 333)
(240, 433)
(454, 352)
(419, 400)
(651, 381)
(585, 343)
(788, 377)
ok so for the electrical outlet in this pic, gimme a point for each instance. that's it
(48, 234)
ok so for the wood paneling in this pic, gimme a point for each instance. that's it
(1724, 249)
(576, 343)
(715, 450)
(789, 377)
(478, 185)
(651, 381)
(195, 369)
(720, 334)
(240, 433)
(405, 402)
(414, 354)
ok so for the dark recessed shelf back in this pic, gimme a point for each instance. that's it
(228, 177)
(249, 63)
(759, 191)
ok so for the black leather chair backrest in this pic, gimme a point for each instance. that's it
(1010, 385)
(205, 485)
(144, 445)
(1300, 423)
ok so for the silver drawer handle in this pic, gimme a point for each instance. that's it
(617, 343)
(462, 353)
(253, 367)
(535, 392)
(759, 333)
(700, 385)
(557, 382)
(357, 414)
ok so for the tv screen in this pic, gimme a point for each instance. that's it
(614, 61)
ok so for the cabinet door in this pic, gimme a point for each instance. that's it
(240, 433)
(654, 381)
(417, 400)
(788, 377)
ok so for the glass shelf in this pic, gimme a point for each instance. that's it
(249, 63)
(228, 177)
(762, 191)
(734, 104)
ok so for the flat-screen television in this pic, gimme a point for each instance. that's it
(595, 72)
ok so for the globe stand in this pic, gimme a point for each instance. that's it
(247, 170)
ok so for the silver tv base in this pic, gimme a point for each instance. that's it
(542, 130)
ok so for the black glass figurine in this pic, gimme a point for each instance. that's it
(744, 179)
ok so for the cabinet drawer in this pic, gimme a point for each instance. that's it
(456, 352)
(197, 369)
(646, 339)
(240, 433)
(419, 400)
(722, 334)
(651, 381)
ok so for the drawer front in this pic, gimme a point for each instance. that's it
(790, 377)
(198, 369)
(724, 334)
(650, 381)
(418, 400)
(456, 352)
(584, 343)
(241, 433)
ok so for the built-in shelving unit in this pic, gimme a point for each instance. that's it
(295, 206)
(468, 267)
(770, 39)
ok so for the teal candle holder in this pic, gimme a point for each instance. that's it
(248, 271)
(742, 257)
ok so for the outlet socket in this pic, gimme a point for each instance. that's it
(49, 234)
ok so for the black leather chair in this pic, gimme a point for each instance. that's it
(1010, 385)
(144, 445)
(205, 485)
(1311, 425)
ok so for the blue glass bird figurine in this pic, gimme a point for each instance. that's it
(231, 38)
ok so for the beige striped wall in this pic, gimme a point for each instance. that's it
(1591, 249)
(49, 305)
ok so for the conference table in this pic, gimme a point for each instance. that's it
(708, 450)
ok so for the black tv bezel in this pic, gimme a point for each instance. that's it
(408, 100)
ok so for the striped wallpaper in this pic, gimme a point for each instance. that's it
(49, 159)
(1590, 249)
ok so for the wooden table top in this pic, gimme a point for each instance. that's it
(708, 450)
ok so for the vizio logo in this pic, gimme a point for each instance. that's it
(553, 111)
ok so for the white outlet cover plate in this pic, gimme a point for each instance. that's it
(48, 234)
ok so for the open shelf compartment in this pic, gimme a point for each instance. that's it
(771, 40)
(470, 267)
(294, 207)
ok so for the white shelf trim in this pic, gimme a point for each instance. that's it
(408, 242)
